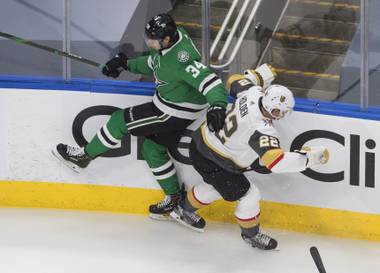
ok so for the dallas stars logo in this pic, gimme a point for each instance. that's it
(158, 82)
(155, 66)
(183, 56)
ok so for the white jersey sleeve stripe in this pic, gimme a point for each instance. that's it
(206, 80)
(211, 86)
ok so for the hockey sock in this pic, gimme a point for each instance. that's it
(250, 232)
(109, 135)
(249, 227)
(192, 203)
(161, 165)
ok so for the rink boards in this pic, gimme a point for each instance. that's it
(338, 199)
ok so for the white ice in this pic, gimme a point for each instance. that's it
(55, 241)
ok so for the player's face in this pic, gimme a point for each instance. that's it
(155, 44)
(278, 114)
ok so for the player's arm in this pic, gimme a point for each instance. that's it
(209, 85)
(141, 65)
(261, 76)
(205, 81)
(274, 158)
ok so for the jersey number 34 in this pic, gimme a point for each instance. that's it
(194, 70)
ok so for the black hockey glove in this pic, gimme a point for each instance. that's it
(215, 117)
(114, 66)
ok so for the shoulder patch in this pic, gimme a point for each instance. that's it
(239, 86)
(183, 56)
(261, 143)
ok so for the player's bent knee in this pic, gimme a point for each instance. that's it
(249, 205)
(117, 123)
(205, 193)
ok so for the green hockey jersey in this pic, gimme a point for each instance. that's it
(184, 85)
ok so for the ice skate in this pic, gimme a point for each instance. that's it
(73, 157)
(261, 241)
(161, 210)
(188, 219)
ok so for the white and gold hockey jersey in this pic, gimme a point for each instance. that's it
(246, 136)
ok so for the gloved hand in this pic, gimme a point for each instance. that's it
(315, 155)
(215, 117)
(262, 76)
(114, 67)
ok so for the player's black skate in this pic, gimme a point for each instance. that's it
(73, 157)
(261, 241)
(188, 218)
(162, 210)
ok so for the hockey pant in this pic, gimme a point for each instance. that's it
(157, 128)
(220, 183)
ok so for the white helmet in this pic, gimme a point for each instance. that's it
(278, 97)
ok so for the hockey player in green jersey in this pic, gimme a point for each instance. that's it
(184, 88)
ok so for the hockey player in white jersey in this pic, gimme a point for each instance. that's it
(222, 157)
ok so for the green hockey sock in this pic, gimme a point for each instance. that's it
(109, 135)
(169, 185)
(161, 165)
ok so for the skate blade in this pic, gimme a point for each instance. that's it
(177, 218)
(161, 217)
(274, 249)
(72, 166)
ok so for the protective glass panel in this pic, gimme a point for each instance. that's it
(38, 21)
(99, 31)
(374, 52)
(313, 48)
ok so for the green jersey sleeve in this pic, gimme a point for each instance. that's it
(141, 65)
(205, 81)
